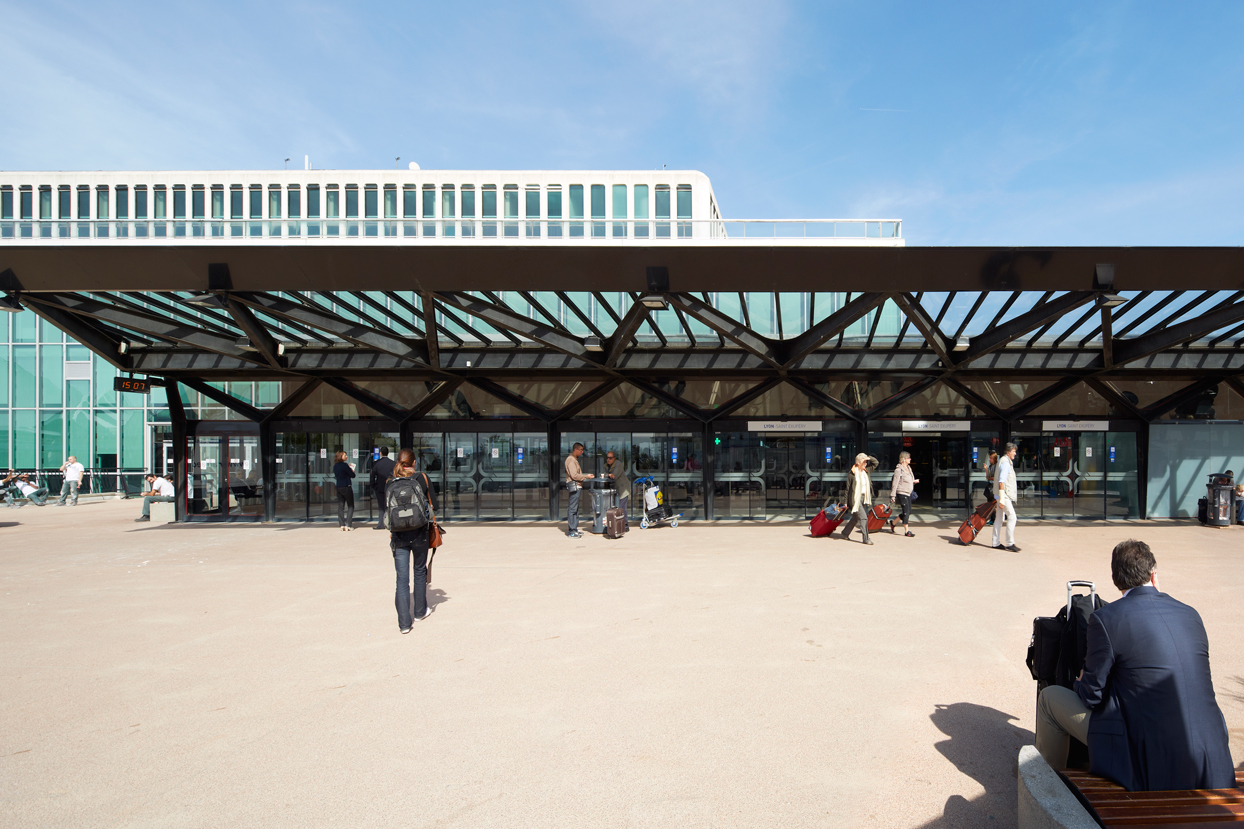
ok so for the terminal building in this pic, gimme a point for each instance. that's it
(491, 319)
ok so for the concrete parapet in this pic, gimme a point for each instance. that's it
(163, 512)
(1045, 802)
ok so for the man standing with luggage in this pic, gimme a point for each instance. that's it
(73, 479)
(1144, 703)
(1008, 494)
(381, 472)
(617, 474)
(574, 483)
(859, 497)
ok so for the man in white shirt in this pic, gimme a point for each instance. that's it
(73, 478)
(162, 492)
(25, 489)
(1008, 494)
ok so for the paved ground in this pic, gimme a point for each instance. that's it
(727, 675)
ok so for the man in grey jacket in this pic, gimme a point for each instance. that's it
(859, 497)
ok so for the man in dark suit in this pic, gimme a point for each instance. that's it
(1144, 702)
(381, 471)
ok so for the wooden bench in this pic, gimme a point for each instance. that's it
(1112, 805)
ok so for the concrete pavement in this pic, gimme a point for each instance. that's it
(710, 675)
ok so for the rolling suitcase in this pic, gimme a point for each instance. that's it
(827, 520)
(969, 529)
(878, 517)
(615, 522)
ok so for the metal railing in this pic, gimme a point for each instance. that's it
(97, 481)
(412, 230)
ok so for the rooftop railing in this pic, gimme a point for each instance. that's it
(415, 231)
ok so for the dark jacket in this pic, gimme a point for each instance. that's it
(343, 473)
(381, 471)
(866, 497)
(1155, 725)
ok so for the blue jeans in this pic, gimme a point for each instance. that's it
(410, 559)
(572, 509)
(69, 489)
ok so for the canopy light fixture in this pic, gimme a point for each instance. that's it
(123, 347)
(592, 344)
(962, 344)
(657, 302)
(10, 303)
(1110, 301)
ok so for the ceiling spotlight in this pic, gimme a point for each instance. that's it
(1110, 301)
(205, 300)
(592, 344)
(280, 349)
(655, 301)
(123, 347)
(962, 344)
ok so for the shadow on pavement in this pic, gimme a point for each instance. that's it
(984, 744)
(437, 597)
(4, 524)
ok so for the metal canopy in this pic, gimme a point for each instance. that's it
(451, 315)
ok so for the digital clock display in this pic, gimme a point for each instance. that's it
(131, 384)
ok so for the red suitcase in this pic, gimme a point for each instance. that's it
(878, 517)
(969, 529)
(827, 520)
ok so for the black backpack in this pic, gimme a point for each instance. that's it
(406, 504)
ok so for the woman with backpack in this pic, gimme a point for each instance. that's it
(410, 547)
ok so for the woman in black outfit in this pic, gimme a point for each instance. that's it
(344, 472)
(410, 553)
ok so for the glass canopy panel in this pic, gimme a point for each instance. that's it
(707, 394)
(328, 403)
(469, 402)
(628, 401)
(863, 394)
(1219, 402)
(1144, 393)
(1077, 401)
(1006, 394)
(784, 400)
(401, 394)
(553, 395)
(937, 401)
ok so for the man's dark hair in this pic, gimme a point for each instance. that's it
(577, 446)
(1131, 564)
(384, 450)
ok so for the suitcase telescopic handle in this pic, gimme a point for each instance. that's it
(1072, 584)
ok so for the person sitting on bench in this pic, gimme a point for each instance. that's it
(162, 492)
(23, 488)
(1144, 703)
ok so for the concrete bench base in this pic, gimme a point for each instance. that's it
(1045, 802)
(163, 513)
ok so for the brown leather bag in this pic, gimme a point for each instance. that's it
(434, 529)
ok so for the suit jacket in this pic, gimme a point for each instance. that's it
(1155, 724)
(381, 471)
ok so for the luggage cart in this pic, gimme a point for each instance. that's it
(653, 500)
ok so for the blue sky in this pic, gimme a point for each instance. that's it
(986, 123)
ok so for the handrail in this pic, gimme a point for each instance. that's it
(97, 480)
(413, 230)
